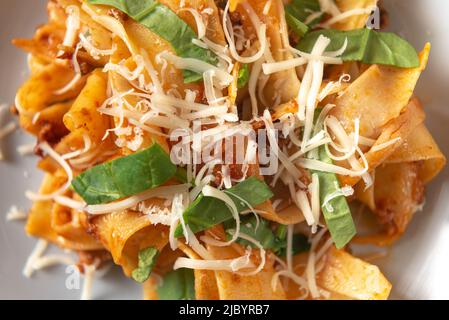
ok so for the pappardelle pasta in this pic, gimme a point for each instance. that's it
(233, 149)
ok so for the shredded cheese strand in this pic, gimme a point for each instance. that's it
(231, 265)
(63, 163)
(200, 25)
(166, 192)
(37, 252)
(76, 78)
(89, 272)
(347, 14)
(209, 191)
(258, 26)
(73, 24)
(15, 213)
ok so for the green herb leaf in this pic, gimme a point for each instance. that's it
(300, 244)
(243, 76)
(267, 238)
(296, 25)
(125, 176)
(181, 175)
(178, 285)
(339, 221)
(205, 212)
(147, 259)
(281, 231)
(302, 9)
(261, 232)
(367, 46)
(161, 20)
(252, 190)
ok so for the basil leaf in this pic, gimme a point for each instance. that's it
(178, 285)
(267, 238)
(367, 46)
(205, 212)
(339, 221)
(125, 176)
(302, 9)
(147, 259)
(261, 232)
(296, 25)
(281, 231)
(181, 175)
(161, 20)
(300, 244)
(243, 76)
(253, 190)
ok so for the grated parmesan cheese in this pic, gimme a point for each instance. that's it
(73, 24)
(198, 66)
(258, 26)
(231, 265)
(200, 25)
(347, 14)
(63, 163)
(122, 70)
(76, 67)
(385, 145)
(86, 42)
(166, 192)
(15, 213)
(314, 190)
(70, 203)
(345, 191)
(6, 130)
(77, 153)
(26, 149)
(111, 24)
(309, 89)
(329, 7)
(89, 273)
(37, 252)
(209, 191)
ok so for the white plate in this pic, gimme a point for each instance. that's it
(418, 264)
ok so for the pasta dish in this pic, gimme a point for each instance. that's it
(227, 149)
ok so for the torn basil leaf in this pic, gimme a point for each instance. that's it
(302, 9)
(300, 244)
(206, 212)
(260, 232)
(281, 231)
(339, 219)
(147, 259)
(264, 234)
(125, 176)
(181, 175)
(161, 20)
(367, 46)
(243, 76)
(295, 25)
(178, 285)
